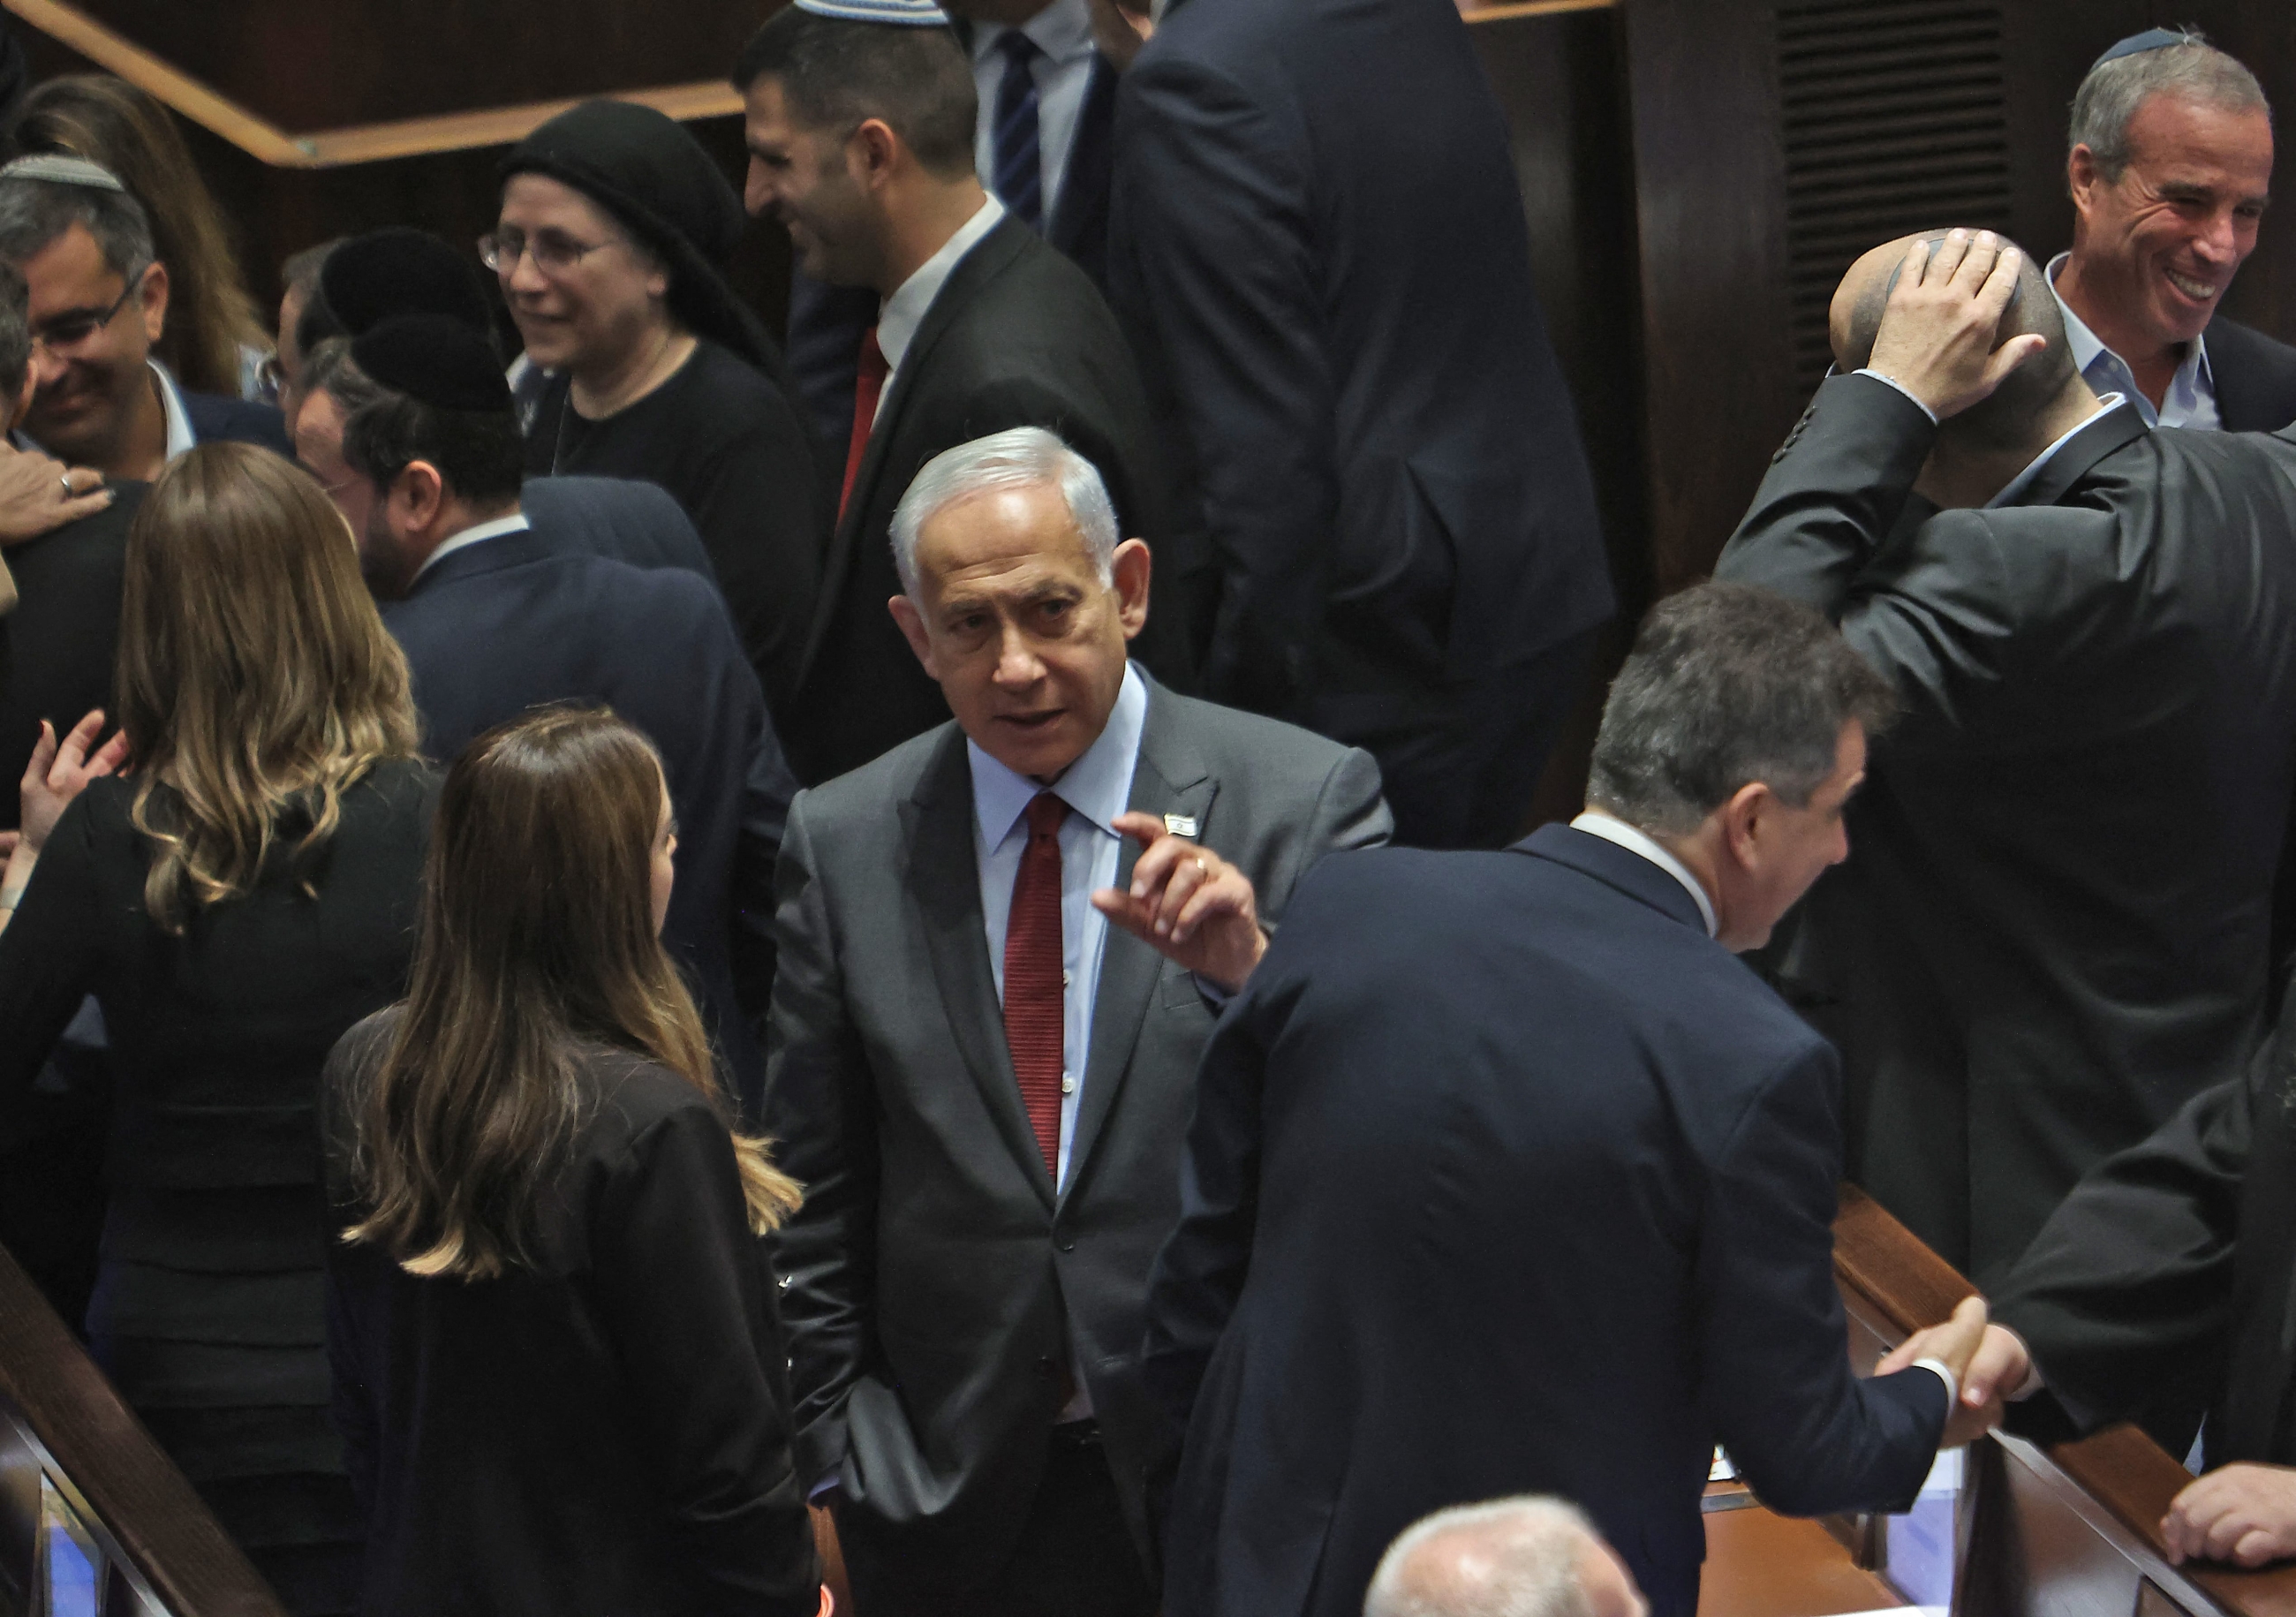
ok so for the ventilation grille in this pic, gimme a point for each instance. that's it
(1892, 122)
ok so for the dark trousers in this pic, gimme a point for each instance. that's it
(1075, 1557)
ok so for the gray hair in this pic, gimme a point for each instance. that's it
(1519, 1557)
(1727, 685)
(15, 334)
(329, 369)
(1019, 457)
(34, 213)
(2192, 69)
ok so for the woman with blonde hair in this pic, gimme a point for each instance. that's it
(239, 898)
(215, 340)
(558, 1370)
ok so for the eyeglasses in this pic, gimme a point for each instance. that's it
(552, 252)
(68, 331)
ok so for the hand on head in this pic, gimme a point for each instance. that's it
(1188, 904)
(1938, 330)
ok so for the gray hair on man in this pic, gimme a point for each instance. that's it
(34, 212)
(1528, 1556)
(1728, 685)
(1019, 457)
(2192, 69)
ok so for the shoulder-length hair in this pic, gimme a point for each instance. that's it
(537, 943)
(107, 120)
(256, 683)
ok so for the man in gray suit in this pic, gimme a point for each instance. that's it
(1002, 947)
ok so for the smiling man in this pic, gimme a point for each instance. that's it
(859, 118)
(1001, 948)
(2170, 166)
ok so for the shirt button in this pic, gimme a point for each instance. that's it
(1068, 1083)
(1066, 979)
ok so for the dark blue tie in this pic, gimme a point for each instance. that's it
(1019, 175)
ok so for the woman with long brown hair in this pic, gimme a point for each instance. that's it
(239, 898)
(215, 340)
(558, 1370)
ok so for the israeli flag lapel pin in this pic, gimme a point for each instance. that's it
(1180, 825)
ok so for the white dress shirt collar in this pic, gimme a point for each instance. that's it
(1098, 785)
(905, 310)
(1596, 823)
(2014, 489)
(515, 523)
(2191, 400)
(180, 436)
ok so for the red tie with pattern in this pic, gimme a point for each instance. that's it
(1034, 1014)
(868, 382)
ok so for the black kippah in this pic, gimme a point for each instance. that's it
(385, 273)
(2137, 45)
(435, 359)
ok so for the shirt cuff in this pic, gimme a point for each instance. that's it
(812, 1494)
(1936, 1366)
(1925, 409)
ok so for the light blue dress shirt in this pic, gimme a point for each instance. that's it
(2191, 400)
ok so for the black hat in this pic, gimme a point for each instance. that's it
(385, 272)
(646, 168)
(435, 359)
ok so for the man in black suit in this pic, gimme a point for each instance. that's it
(1047, 99)
(497, 616)
(861, 141)
(1317, 247)
(1506, 1176)
(986, 1028)
(99, 301)
(2055, 929)
(2170, 169)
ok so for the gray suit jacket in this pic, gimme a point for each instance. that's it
(934, 1280)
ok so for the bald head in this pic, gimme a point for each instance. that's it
(1523, 1557)
(2012, 412)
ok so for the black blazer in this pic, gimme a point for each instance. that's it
(1504, 1178)
(826, 323)
(513, 622)
(619, 518)
(219, 418)
(56, 648)
(1018, 337)
(936, 1281)
(2160, 1289)
(605, 1433)
(1316, 244)
(2053, 929)
(2255, 377)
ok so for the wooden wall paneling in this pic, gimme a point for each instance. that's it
(2048, 48)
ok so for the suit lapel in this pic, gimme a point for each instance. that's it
(988, 257)
(2115, 428)
(1170, 778)
(945, 877)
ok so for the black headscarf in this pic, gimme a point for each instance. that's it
(646, 170)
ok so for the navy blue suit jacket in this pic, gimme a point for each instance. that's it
(1527, 1187)
(618, 517)
(517, 621)
(1317, 246)
(218, 418)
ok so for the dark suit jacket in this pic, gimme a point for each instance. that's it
(217, 418)
(56, 648)
(513, 622)
(2255, 377)
(1505, 1178)
(605, 1430)
(1317, 246)
(1018, 337)
(2052, 928)
(934, 1280)
(826, 323)
(618, 517)
(2160, 1289)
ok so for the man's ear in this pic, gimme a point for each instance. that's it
(155, 301)
(2081, 178)
(24, 394)
(913, 630)
(1130, 567)
(1741, 824)
(871, 152)
(418, 494)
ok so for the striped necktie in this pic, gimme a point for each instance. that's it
(1019, 171)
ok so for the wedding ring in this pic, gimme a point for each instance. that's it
(66, 481)
(1201, 867)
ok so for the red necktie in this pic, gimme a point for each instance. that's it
(868, 382)
(1034, 1014)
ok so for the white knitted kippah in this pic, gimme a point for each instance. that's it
(905, 13)
(58, 170)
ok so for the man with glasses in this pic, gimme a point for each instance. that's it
(99, 302)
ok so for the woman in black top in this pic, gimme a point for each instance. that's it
(558, 1369)
(614, 225)
(235, 904)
